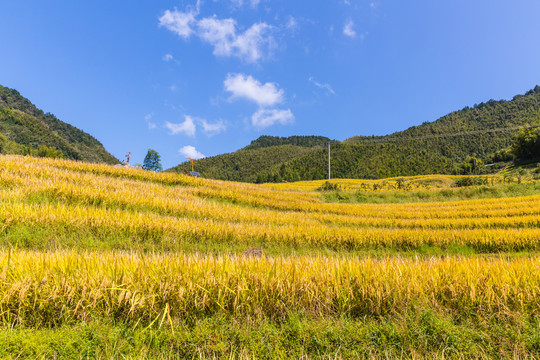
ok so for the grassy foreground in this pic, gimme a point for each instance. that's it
(418, 335)
(104, 262)
(145, 289)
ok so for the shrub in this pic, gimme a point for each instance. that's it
(328, 186)
(471, 181)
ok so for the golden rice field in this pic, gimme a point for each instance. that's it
(166, 288)
(416, 182)
(80, 242)
(172, 210)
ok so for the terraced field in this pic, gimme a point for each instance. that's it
(99, 261)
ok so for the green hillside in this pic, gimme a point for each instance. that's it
(25, 129)
(437, 147)
(302, 141)
(244, 165)
(249, 163)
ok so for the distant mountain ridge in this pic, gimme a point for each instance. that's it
(432, 147)
(24, 127)
(302, 141)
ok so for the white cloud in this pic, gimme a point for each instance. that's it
(268, 117)
(187, 127)
(151, 125)
(212, 128)
(264, 95)
(221, 34)
(242, 86)
(250, 45)
(327, 87)
(178, 22)
(167, 57)
(191, 152)
(291, 23)
(348, 29)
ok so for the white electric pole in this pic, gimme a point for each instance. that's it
(328, 161)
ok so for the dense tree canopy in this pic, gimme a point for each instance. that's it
(152, 161)
(526, 145)
(266, 141)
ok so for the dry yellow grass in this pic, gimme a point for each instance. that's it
(146, 206)
(38, 288)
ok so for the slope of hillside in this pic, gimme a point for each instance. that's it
(25, 127)
(250, 162)
(430, 148)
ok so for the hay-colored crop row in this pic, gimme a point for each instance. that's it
(143, 227)
(140, 205)
(33, 176)
(418, 182)
(40, 288)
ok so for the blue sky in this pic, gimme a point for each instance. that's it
(208, 77)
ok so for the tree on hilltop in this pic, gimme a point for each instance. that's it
(152, 161)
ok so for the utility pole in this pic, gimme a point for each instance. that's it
(328, 161)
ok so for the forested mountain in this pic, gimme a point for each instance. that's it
(436, 147)
(245, 164)
(303, 141)
(249, 163)
(25, 129)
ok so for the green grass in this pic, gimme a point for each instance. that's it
(52, 238)
(418, 335)
(451, 194)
